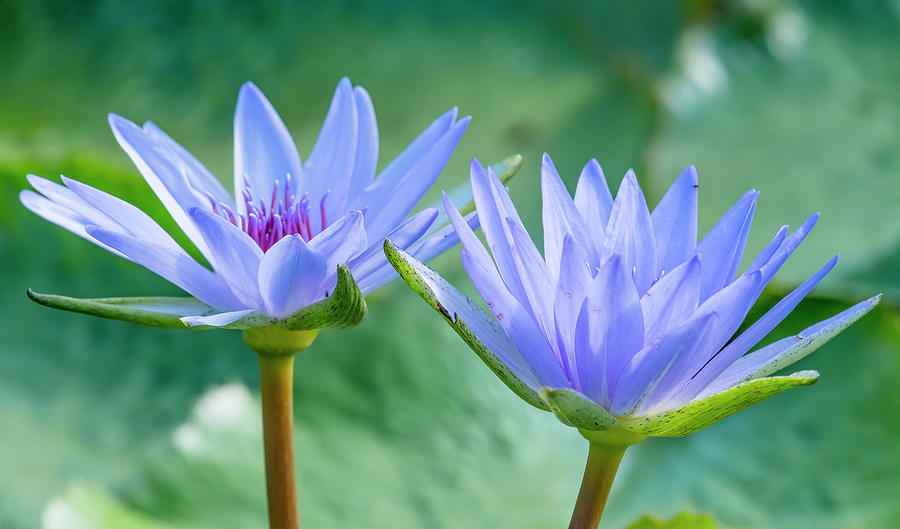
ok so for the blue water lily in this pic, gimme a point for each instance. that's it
(626, 325)
(292, 233)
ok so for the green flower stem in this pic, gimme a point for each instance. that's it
(275, 349)
(599, 473)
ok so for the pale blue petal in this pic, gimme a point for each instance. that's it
(403, 236)
(594, 201)
(788, 350)
(672, 299)
(177, 267)
(167, 177)
(329, 168)
(609, 330)
(535, 275)
(561, 218)
(388, 180)
(571, 290)
(263, 149)
(340, 243)
(198, 176)
(629, 233)
(791, 242)
(723, 247)
(290, 276)
(756, 332)
(234, 255)
(366, 161)
(386, 214)
(216, 320)
(646, 368)
(64, 217)
(675, 221)
(766, 254)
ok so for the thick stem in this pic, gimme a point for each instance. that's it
(276, 381)
(599, 473)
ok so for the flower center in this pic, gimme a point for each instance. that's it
(267, 222)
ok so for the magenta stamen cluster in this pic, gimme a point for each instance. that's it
(267, 223)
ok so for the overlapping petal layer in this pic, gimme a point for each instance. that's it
(274, 247)
(627, 321)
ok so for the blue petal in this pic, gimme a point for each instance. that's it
(788, 350)
(571, 291)
(769, 251)
(198, 176)
(263, 149)
(403, 236)
(329, 168)
(646, 368)
(290, 276)
(366, 160)
(629, 233)
(165, 176)
(536, 278)
(672, 299)
(593, 200)
(234, 255)
(609, 330)
(675, 221)
(756, 332)
(561, 218)
(340, 242)
(220, 319)
(386, 213)
(723, 247)
(177, 267)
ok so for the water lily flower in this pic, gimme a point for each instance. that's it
(275, 247)
(295, 249)
(625, 327)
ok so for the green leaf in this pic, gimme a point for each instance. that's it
(701, 413)
(345, 307)
(151, 311)
(682, 521)
(456, 308)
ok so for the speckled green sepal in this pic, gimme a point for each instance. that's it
(162, 312)
(345, 307)
(576, 410)
(448, 301)
(701, 413)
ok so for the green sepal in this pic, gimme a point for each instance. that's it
(701, 413)
(414, 272)
(162, 312)
(576, 410)
(345, 307)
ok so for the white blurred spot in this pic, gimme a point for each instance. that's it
(786, 33)
(700, 72)
(59, 515)
(188, 439)
(225, 407)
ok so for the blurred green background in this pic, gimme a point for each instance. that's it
(107, 425)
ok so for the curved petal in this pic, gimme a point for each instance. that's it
(234, 255)
(629, 233)
(561, 218)
(672, 299)
(675, 221)
(723, 247)
(220, 319)
(593, 199)
(340, 242)
(264, 152)
(366, 160)
(290, 276)
(177, 267)
(404, 235)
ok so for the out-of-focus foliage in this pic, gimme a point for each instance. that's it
(399, 425)
(682, 521)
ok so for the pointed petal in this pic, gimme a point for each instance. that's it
(340, 243)
(630, 233)
(198, 176)
(561, 218)
(177, 267)
(571, 290)
(786, 351)
(366, 160)
(536, 278)
(593, 199)
(234, 255)
(648, 366)
(477, 328)
(165, 176)
(462, 193)
(329, 168)
(263, 149)
(672, 299)
(403, 236)
(609, 330)
(756, 332)
(723, 247)
(675, 221)
(390, 209)
(65, 218)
